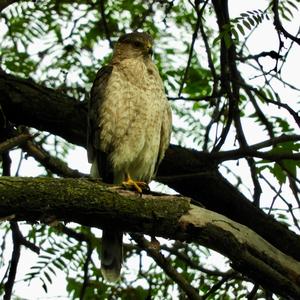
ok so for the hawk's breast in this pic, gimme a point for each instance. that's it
(131, 119)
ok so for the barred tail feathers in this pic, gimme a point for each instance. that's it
(111, 254)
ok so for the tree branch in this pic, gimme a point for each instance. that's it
(278, 24)
(161, 261)
(88, 203)
(27, 103)
(14, 141)
(252, 150)
(14, 261)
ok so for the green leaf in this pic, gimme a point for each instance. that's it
(291, 166)
(246, 24)
(278, 173)
(48, 277)
(251, 21)
(241, 29)
(235, 34)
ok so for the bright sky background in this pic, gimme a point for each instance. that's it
(264, 39)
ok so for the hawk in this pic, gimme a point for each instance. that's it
(129, 128)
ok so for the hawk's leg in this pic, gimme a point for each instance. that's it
(139, 186)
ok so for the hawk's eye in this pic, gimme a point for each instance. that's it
(137, 44)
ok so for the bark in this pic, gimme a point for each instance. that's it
(191, 173)
(88, 202)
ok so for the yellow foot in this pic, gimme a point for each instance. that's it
(139, 186)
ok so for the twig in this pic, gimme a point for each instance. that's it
(290, 208)
(182, 256)
(80, 237)
(51, 163)
(278, 24)
(86, 271)
(252, 294)
(228, 72)
(217, 286)
(161, 261)
(201, 98)
(252, 150)
(104, 23)
(279, 104)
(194, 37)
(273, 54)
(14, 141)
(8, 287)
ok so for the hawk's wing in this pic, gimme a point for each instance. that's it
(95, 102)
(165, 135)
(111, 252)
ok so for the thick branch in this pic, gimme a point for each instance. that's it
(86, 202)
(27, 103)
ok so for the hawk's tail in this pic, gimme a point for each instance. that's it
(111, 254)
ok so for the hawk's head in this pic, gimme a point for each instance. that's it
(134, 44)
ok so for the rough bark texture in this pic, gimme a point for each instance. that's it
(93, 204)
(191, 173)
(88, 203)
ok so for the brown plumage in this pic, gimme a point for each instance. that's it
(129, 127)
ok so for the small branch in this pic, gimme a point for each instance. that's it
(18, 240)
(278, 24)
(218, 285)
(209, 57)
(86, 271)
(14, 142)
(254, 175)
(184, 257)
(289, 206)
(194, 37)
(104, 23)
(54, 164)
(252, 150)
(294, 114)
(78, 236)
(161, 261)
(273, 54)
(6, 164)
(8, 287)
(202, 98)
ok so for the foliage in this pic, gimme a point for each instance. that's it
(61, 44)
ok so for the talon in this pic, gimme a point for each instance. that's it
(137, 185)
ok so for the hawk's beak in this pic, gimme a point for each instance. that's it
(149, 49)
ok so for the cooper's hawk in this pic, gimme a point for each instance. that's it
(129, 128)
